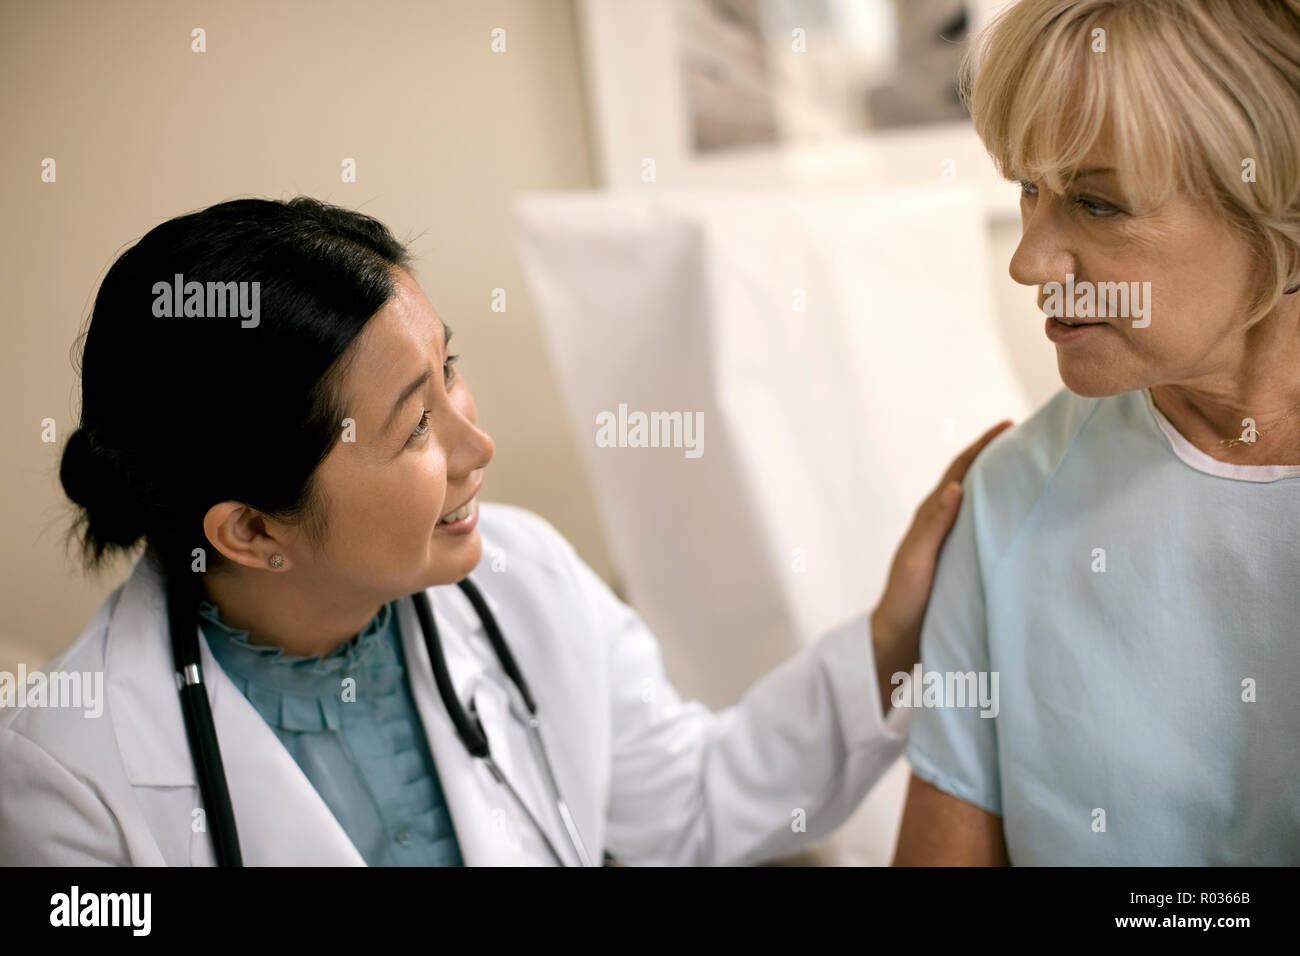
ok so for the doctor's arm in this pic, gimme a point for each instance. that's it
(48, 817)
(786, 765)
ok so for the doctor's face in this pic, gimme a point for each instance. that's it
(417, 458)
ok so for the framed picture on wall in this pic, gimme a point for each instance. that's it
(785, 93)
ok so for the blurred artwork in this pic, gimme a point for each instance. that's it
(923, 87)
(726, 81)
(797, 71)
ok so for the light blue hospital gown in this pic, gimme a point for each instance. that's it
(1148, 713)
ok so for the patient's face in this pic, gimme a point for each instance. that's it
(1201, 274)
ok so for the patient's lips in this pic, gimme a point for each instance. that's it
(1060, 332)
(1063, 329)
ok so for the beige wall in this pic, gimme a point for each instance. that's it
(444, 133)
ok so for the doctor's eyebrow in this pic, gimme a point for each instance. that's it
(415, 385)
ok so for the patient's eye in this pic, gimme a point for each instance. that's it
(1096, 208)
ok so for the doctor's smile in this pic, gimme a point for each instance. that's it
(460, 521)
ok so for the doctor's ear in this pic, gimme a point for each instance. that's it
(245, 536)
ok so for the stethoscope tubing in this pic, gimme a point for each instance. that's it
(201, 731)
(471, 731)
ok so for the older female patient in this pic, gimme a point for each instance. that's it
(1127, 560)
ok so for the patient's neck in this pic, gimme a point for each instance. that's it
(1219, 426)
(1259, 380)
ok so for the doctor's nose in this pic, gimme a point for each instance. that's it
(471, 447)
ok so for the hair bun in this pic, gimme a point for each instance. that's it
(92, 478)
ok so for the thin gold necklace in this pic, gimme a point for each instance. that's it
(1253, 429)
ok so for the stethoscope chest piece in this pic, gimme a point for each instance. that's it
(518, 703)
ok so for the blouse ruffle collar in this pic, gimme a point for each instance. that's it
(305, 693)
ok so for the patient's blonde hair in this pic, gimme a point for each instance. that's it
(1191, 89)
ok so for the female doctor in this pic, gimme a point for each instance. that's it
(331, 653)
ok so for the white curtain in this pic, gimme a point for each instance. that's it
(841, 349)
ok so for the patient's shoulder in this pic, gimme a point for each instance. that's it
(1017, 467)
(1032, 450)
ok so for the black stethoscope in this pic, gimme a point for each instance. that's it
(206, 751)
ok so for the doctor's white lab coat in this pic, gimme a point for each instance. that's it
(648, 777)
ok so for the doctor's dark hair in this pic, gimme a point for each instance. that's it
(180, 413)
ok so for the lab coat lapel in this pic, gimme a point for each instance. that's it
(490, 828)
(282, 820)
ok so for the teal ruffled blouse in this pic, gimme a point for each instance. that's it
(361, 745)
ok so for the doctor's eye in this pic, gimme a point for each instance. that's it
(1027, 188)
(423, 427)
(449, 373)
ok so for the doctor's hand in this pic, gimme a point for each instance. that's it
(896, 620)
